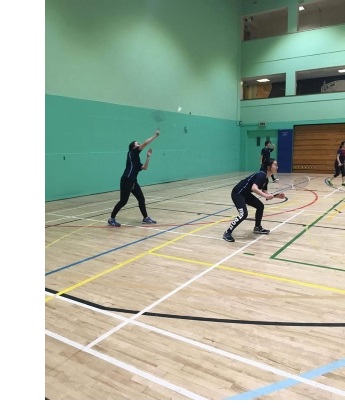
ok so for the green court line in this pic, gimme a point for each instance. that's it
(309, 264)
(274, 256)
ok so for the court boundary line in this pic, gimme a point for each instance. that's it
(130, 368)
(209, 348)
(279, 251)
(182, 286)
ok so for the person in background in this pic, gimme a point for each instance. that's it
(243, 194)
(129, 183)
(266, 155)
(339, 165)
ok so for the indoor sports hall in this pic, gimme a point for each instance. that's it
(169, 310)
(172, 311)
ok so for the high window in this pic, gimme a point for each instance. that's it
(321, 13)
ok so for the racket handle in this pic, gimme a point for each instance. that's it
(274, 196)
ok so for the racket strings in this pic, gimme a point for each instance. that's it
(300, 182)
(158, 116)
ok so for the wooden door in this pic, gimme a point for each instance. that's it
(315, 147)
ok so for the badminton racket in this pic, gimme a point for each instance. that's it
(298, 184)
(158, 118)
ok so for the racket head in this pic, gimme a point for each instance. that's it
(300, 183)
(158, 117)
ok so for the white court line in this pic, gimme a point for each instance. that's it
(204, 346)
(125, 366)
(113, 201)
(204, 189)
(196, 277)
(177, 199)
(80, 206)
(333, 192)
(62, 217)
(58, 212)
(80, 216)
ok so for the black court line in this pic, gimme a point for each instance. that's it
(197, 318)
(136, 205)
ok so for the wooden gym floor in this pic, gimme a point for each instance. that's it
(173, 312)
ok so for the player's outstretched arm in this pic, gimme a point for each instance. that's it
(149, 140)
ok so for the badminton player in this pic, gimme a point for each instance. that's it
(129, 183)
(243, 194)
(339, 165)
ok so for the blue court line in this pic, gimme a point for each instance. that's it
(132, 243)
(284, 384)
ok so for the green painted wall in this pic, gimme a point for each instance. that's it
(89, 140)
(111, 63)
(307, 50)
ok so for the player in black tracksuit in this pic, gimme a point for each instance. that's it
(339, 164)
(265, 156)
(129, 183)
(243, 194)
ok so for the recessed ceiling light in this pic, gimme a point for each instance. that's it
(300, 8)
(342, 70)
(263, 80)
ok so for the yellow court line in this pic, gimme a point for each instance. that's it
(186, 234)
(335, 212)
(308, 234)
(77, 285)
(263, 275)
(71, 233)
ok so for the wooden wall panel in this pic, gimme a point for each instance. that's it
(315, 147)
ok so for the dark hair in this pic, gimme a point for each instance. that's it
(131, 145)
(341, 144)
(268, 163)
(267, 142)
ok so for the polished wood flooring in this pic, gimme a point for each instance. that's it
(173, 312)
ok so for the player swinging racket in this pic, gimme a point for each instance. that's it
(243, 194)
(129, 183)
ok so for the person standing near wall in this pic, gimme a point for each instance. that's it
(129, 183)
(339, 165)
(265, 156)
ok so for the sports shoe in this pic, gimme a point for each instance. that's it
(275, 180)
(228, 237)
(343, 184)
(328, 182)
(148, 220)
(261, 230)
(113, 222)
